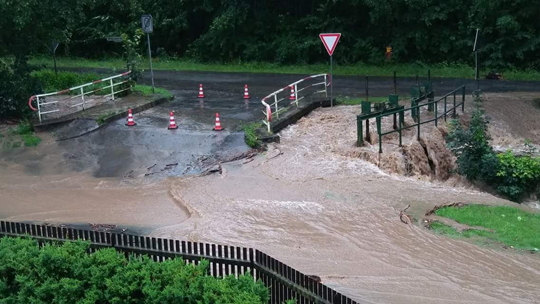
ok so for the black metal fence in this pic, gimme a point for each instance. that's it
(284, 282)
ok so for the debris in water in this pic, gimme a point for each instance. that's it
(405, 218)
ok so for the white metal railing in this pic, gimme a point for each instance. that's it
(292, 97)
(46, 106)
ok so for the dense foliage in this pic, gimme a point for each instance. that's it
(283, 31)
(67, 274)
(16, 86)
(510, 175)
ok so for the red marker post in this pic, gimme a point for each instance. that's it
(330, 40)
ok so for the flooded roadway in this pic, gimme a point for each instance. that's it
(300, 202)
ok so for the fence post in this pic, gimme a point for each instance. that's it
(82, 96)
(296, 94)
(378, 120)
(401, 117)
(436, 114)
(445, 109)
(112, 90)
(39, 108)
(276, 102)
(325, 86)
(359, 131)
(454, 112)
(418, 122)
(463, 100)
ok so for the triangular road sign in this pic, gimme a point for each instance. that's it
(330, 41)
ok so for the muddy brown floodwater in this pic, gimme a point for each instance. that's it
(306, 203)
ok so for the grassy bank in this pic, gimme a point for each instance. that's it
(146, 90)
(349, 101)
(403, 70)
(507, 225)
(19, 136)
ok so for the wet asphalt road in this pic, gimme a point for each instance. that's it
(150, 149)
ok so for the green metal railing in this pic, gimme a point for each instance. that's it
(415, 112)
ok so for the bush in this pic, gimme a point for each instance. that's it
(250, 136)
(517, 176)
(16, 86)
(475, 157)
(64, 80)
(511, 176)
(67, 274)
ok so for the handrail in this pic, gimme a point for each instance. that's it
(82, 93)
(293, 98)
(436, 118)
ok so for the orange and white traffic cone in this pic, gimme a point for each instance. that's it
(172, 123)
(201, 93)
(218, 124)
(246, 92)
(293, 96)
(130, 121)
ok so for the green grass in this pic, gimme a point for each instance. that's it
(251, 137)
(147, 91)
(101, 118)
(356, 101)
(31, 140)
(24, 131)
(511, 226)
(402, 70)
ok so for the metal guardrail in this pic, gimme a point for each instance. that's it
(415, 112)
(54, 105)
(284, 282)
(292, 97)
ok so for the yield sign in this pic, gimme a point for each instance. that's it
(330, 41)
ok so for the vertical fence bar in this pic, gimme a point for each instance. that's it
(39, 108)
(325, 86)
(296, 94)
(445, 109)
(112, 89)
(378, 119)
(82, 96)
(401, 118)
(359, 131)
(436, 114)
(418, 122)
(454, 111)
(463, 100)
(276, 103)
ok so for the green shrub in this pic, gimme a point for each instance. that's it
(146, 90)
(16, 86)
(64, 80)
(68, 274)
(250, 136)
(31, 140)
(517, 176)
(511, 176)
(475, 156)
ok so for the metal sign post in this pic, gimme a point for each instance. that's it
(148, 27)
(53, 47)
(476, 72)
(330, 40)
